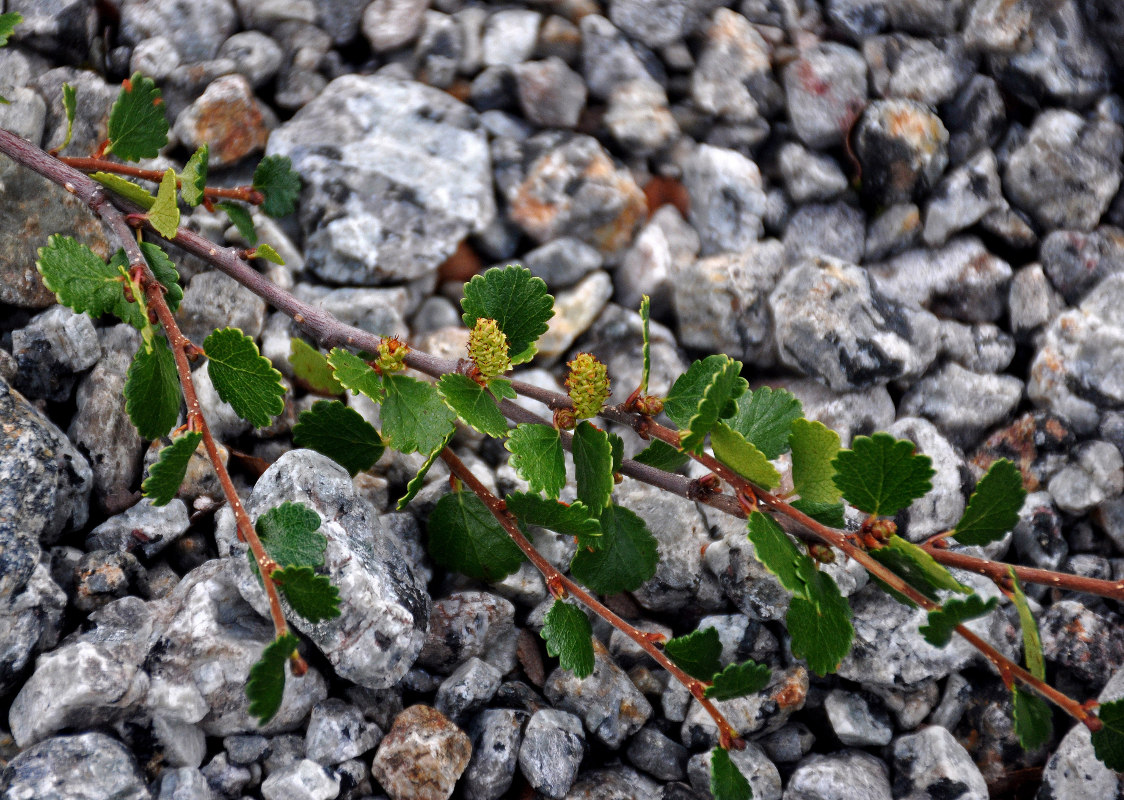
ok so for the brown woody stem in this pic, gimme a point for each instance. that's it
(246, 194)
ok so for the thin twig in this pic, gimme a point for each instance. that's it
(247, 194)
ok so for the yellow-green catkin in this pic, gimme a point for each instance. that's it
(487, 347)
(588, 385)
(392, 355)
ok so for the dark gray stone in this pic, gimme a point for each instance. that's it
(929, 72)
(609, 58)
(467, 689)
(1067, 171)
(903, 149)
(1076, 261)
(30, 622)
(195, 29)
(975, 118)
(91, 766)
(384, 608)
(468, 624)
(855, 723)
(1088, 646)
(963, 404)
(438, 51)
(809, 176)
(658, 23)
(51, 350)
(831, 230)
(550, 93)
(143, 527)
(757, 714)
(658, 755)
(61, 29)
(896, 229)
(552, 750)
(562, 262)
(727, 199)
(102, 576)
(395, 174)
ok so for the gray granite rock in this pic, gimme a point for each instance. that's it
(225, 779)
(733, 77)
(1032, 301)
(144, 527)
(931, 762)
(663, 248)
(751, 762)
(257, 56)
(550, 93)
(90, 766)
(102, 576)
(301, 780)
(1095, 475)
(848, 775)
(497, 735)
(1087, 646)
(562, 262)
(834, 326)
(980, 347)
(638, 117)
(422, 755)
(857, 19)
(611, 707)
(903, 149)
(825, 90)
(963, 198)
(467, 689)
(468, 624)
(657, 755)
(964, 405)
(563, 184)
(657, 23)
(183, 783)
(509, 36)
(614, 783)
(809, 176)
(1067, 171)
(1076, 262)
(575, 309)
(30, 622)
(609, 58)
(831, 230)
(722, 305)
(384, 608)
(1058, 61)
(552, 751)
(337, 732)
(975, 118)
(101, 426)
(196, 30)
(727, 199)
(789, 743)
(389, 24)
(45, 485)
(404, 177)
(855, 723)
(1073, 771)
(51, 350)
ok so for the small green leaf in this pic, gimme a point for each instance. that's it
(473, 404)
(417, 483)
(166, 475)
(152, 389)
(686, 393)
(645, 317)
(82, 281)
(355, 374)
(165, 212)
(882, 475)
(537, 457)
(289, 533)
(739, 680)
(164, 270)
(628, 555)
(1032, 643)
(917, 567)
(275, 178)
(814, 447)
(829, 514)
(414, 417)
(819, 621)
(243, 377)
(8, 23)
(266, 686)
(340, 433)
(241, 220)
(776, 551)
(1108, 742)
(1034, 720)
(137, 125)
(516, 300)
(616, 446)
(726, 781)
(267, 253)
(502, 389)
(765, 417)
(127, 189)
(569, 520)
(717, 402)
(569, 638)
(697, 653)
(994, 507)
(593, 465)
(731, 448)
(465, 536)
(663, 456)
(953, 612)
(310, 595)
(70, 106)
(311, 367)
(193, 179)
